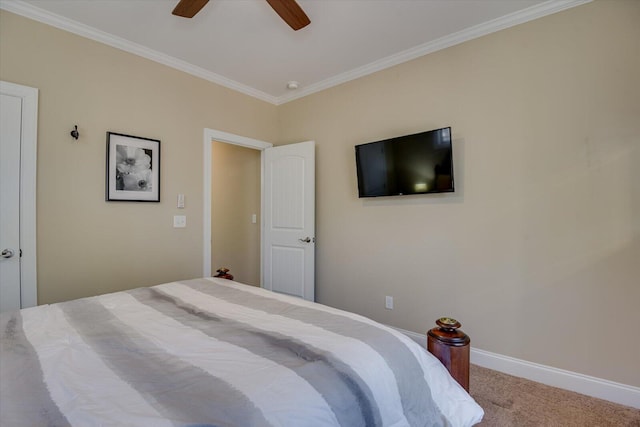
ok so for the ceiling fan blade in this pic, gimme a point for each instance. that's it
(291, 13)
(188, 8)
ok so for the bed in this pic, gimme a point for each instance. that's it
(213, 352)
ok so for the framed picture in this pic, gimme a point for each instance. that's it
(133, 168)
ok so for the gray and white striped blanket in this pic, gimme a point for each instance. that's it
(211, 352)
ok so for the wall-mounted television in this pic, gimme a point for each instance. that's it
(421, 163)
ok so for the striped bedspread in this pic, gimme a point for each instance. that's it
(211, 352)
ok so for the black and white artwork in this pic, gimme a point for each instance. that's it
(133, 168)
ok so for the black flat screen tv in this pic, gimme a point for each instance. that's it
(421, 163)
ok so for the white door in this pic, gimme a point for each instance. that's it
(10, 120)
(289, 219)
(18, 124)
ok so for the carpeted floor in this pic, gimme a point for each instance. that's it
(512, 401)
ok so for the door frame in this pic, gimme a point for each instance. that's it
(28, 164)
(211, 135)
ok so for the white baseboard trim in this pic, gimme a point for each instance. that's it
(568, 380)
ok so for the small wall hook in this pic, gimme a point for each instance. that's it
(74, 132)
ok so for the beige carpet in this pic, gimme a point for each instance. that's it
(512, 401)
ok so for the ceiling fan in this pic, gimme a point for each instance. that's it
(288, 10)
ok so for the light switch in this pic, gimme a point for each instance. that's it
(254, 218)
(179, 221)
(180, 201)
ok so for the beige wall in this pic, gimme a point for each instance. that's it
(235, 183)
(538, 251)
(87, 246)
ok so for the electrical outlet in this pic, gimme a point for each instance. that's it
(179, 221)
(388, 303)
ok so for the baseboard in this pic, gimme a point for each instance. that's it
(568, 380)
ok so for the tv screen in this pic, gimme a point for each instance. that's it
(412, 164)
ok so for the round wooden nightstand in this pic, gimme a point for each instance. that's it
(451, 346)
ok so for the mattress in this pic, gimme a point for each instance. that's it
(213, 352)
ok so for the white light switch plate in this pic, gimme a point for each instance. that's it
(388, 303)
(179, 221)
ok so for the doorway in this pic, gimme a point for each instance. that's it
(211, 135)
(287, 229)
(235, 211)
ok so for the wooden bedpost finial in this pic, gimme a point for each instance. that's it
(451, 346)
(224, 273)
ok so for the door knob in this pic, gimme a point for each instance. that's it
(306, 240)
(7, 253)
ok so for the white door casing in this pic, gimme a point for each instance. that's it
(289, 219)
(19, 117)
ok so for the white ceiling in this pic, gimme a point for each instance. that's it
(244, 45)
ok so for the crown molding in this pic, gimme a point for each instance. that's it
(25, 9)
(543, 9)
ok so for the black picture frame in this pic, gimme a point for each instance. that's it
(133, 168)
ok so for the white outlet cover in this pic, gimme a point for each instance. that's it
(179, 221)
